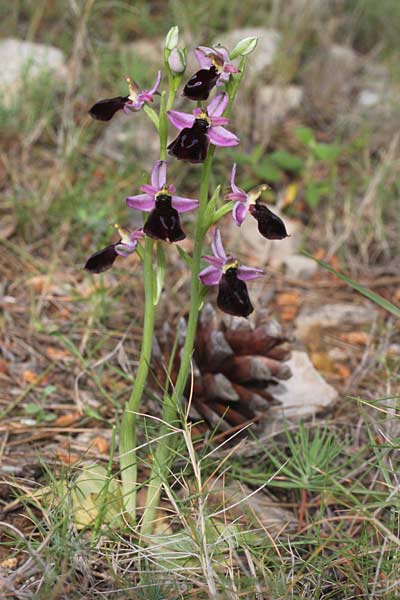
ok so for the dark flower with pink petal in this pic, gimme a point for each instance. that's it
(104, 110)
(164, 206)
(269, 225)
(199, 129)
(215, 70)
(126, 245)
(226, 272)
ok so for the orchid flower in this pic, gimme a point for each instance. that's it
(199, 129)
(126, 245)
(269, 225)
(164, 206)
(215, 70)
(104, 110)
(226, 271)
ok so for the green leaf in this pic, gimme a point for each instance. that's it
(304, 135)
(326, 152)
(314, 191)
(221, 212)
(184, 255)
(287, 161)
(32, 409)
(88, 498)
(376, 298)
(209, 215)
(151, 113)
(267, 171)
(160, 273)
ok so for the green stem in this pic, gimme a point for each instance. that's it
(127, 443)
(172, 403)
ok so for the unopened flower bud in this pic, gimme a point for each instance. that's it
(177, 61)
(171, 40)
(244, 47)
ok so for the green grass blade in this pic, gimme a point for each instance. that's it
(376, 298)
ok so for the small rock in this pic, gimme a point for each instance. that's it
(331, 316)
(368, 98)
(264, 54)
(248, 508)
(130, 136)
(330, 78)
(20, 59)
(148, 50)
(306, 393)
(300, 267)
(272, 104)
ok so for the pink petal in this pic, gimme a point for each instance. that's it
(125, 249)
(219, 136)
(222, 53)
(133, 106)
(249, 273)
(141, 202)
(217, 246)
(210, 276)
(239, 213)
(184, 204)
(148, 189)
(180, 120)
(138, 234)
(216, 121)
(213, 260)
(155, 86)
(238, 196)
(238, 193)
(200, 53)
(159, 174)
(230, 68)
(218, 104)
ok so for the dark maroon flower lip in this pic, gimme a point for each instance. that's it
(104, 110)
(192, 143)
(269, 224)
(233, 296)
(104, 259)
(201, 83)
(163, 222)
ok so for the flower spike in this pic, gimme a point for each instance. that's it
(199, 129)
(269, 225)
(104, 259)
(226, 271)
(104, 110)
(164, 206)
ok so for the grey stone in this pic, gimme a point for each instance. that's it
(150, 51)
(331, 316)
(300, 267)
(272, 104)
(130, 136)
(20, 59)
(330, 78)
(305, 394)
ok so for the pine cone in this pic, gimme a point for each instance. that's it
(236, 365)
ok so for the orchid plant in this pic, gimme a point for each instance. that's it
(200, 132)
